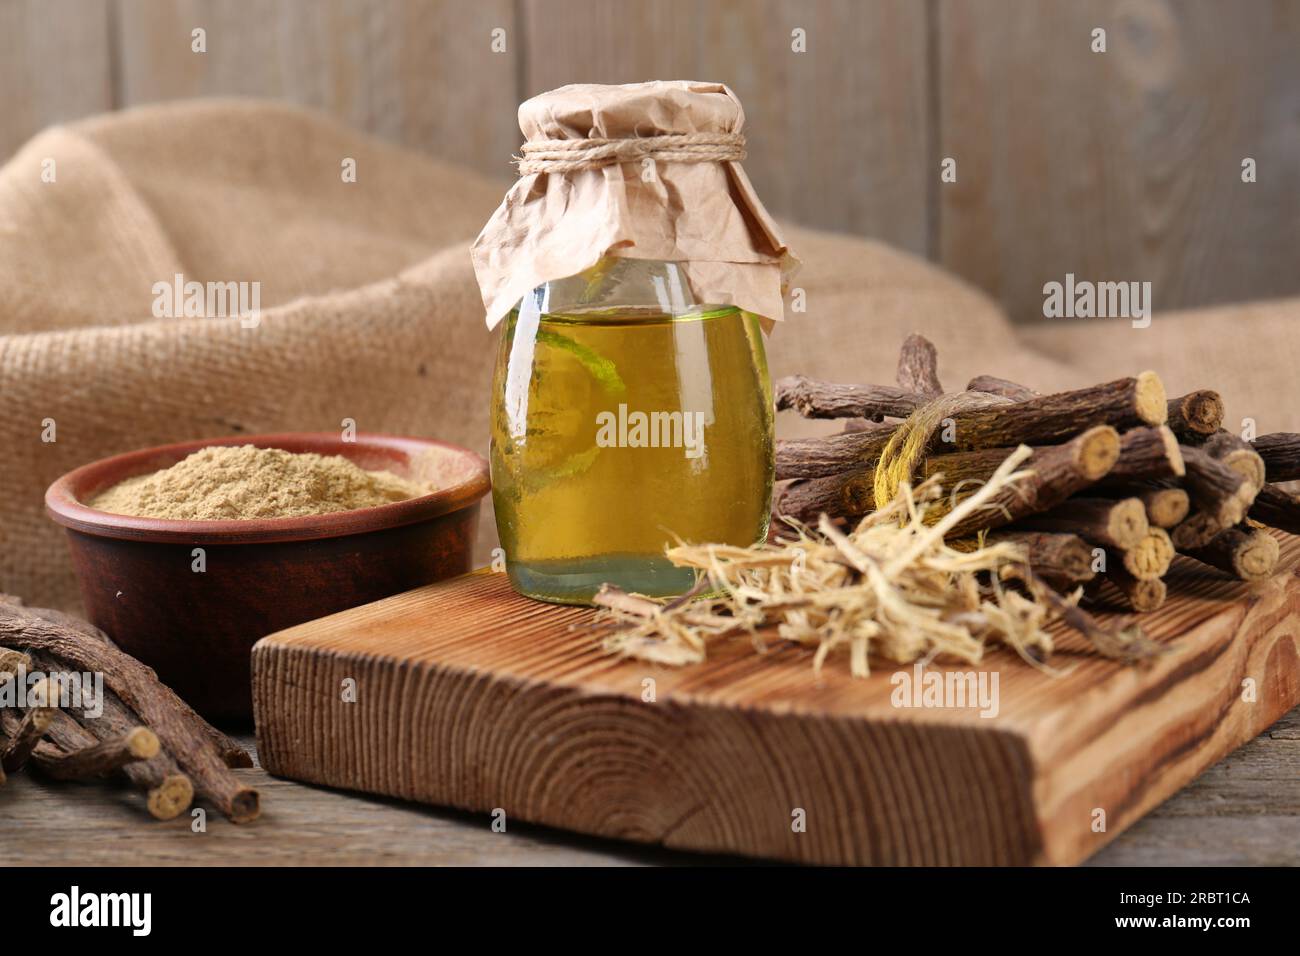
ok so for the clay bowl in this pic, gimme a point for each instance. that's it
(196, 629)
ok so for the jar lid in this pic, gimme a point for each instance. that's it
(634, 110)
(639, 171)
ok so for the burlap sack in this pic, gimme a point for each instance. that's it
(370, 309)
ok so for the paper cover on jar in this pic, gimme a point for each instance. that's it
(642, 171)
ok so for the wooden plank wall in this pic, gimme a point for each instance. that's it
(1123, 165)
(55, 61)
(417, 72)
(837, 134)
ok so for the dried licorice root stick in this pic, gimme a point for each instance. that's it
(1150, 558)
(992, 385)
(26, 732)
(157, 706)
(1277, 509)
(918, 367)
(98, 759)
(1166, 507)
(1117, 524)
(23, 734)
(1054, 418)
(1237, 454)
(167, 798)
(816, 399)
(1041, 419)
(69, 621)
(1097, 457)
(1136, 594)
(11, 662)
(1219, 492)
(1243, 551)
(1147, 454)
(850, 493)
(168, 792)
(867, 425)
(1059, 559)
(1196, 531)
(233, 754)
(1057, 472)
(849, 451)
(832, 455)
(1281, 454)
(1129, 644)
(1142, 595)
(918, 382)
(1195, 415)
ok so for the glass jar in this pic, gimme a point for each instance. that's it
(627, 418)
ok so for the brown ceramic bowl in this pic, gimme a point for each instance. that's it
(197, 629)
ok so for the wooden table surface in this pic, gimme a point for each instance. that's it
(1245, 810)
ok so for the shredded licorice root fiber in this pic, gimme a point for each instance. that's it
(891, 586)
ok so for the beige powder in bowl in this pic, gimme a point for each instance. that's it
(232, 482)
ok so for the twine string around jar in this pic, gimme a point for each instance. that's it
(569, 155)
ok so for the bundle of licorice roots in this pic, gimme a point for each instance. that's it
(134, 728)
(1123, 477)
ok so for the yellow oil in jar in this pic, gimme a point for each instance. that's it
(618, 433)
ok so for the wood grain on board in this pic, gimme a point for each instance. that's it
(1243, 811)
(471, 697)
(54, 66)
(418, 73)
(837, 134)
(1123, 165)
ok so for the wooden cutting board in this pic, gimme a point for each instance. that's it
(470, 696)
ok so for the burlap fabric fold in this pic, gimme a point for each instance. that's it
(370, 309)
